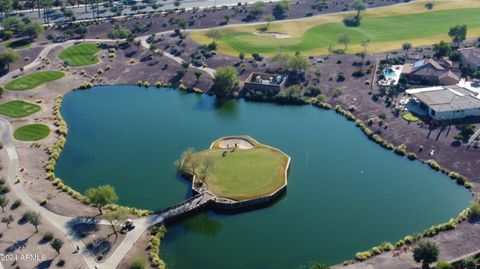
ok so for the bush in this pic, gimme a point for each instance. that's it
(444, 265)
(138, 263)
(341, 77)
(475, 210)
(401, 150)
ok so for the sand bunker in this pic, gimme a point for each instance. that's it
(272, 34)
(239, 142)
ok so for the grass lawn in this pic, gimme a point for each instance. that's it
(33, 80)
(18, 109)
(18, 44)
(244, 173)
(409, 117)
(31, 132)
(81, 54)
(384, 32)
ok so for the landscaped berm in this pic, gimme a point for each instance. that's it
(238, 168)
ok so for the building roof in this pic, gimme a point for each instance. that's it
(449, 74)
(471, 54)
(447, 98)
(423, 67)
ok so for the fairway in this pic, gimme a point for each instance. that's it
(384, 33)
(31, 132)
(81, 54)
(33, 80)
(18, 44)
(244, 173)
(18, 109)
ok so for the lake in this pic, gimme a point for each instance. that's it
(345, 193)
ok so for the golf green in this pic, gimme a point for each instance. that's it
(31, 132)
(33, 80)
(401, 28)
(239, 173)
(81, 54)
(18, 109)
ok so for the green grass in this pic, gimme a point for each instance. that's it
(18, 44)
(31, 132)
(81, 54)
(379, 30)
(33, 80)
(409, 117)
(18, 109)
(245, 173)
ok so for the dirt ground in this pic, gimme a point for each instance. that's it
(24, 248)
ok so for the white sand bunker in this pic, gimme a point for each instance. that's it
(273, 34)
(236, 142)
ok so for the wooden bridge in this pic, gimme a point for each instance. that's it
(183, 209)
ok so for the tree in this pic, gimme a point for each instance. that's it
(442, 49)
(225, 82)
(3, 202)
(227, 18)
(184, 158)
(118, 32)
(359, 6)
(257, 8)
(406, 47)
(269, 20)
(198, 74)
(68, 13)
(35, 219)
(206, 168)
(8, 220)
(32, 30)
(214, 34)
(13, 24)
(470, 263)
(81, 31)
(115, 217)
(56, 244)
(241, 56)
(426, 253)
(5, 6)
(344, 39)
(458, 33)
(7, 57)
(101, 196)
(280, 8)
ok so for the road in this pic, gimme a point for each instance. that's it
(80, 13)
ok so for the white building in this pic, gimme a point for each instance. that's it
(449, 102)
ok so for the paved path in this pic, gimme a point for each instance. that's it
(63, 223)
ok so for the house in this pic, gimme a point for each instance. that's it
(448, 102)
(430, 72)
(268, 84)
(470, 57)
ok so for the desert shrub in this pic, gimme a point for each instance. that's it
(146, 84)
(475, 210)
(434, 165)
(138, 263)
(411, 156)
(459, 178)
(401, 150)
(444, 265)
(352, 108)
